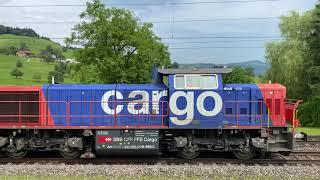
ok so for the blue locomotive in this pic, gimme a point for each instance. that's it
(185, 111)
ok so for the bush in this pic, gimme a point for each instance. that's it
(58, 77)
(16, 72)
(12, 50)
(309, 113)
(36, 77)
(19, 63)
(48, 58)
(61, 67)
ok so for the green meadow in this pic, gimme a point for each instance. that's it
(30, 66)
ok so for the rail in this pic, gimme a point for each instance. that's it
(310, 138)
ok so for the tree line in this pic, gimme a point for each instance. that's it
(295, 61)
(18, 31)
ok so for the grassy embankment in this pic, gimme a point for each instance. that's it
(309, 130)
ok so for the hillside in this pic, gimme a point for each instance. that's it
(258, 66)
(30, 66)
(18, 31)
(33, 43)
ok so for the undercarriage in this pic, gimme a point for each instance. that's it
(186, 143)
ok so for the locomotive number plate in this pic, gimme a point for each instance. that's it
(127, 139)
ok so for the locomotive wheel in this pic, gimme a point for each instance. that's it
(245, 155)
(70, 154)
(17, 154)
(188, 152)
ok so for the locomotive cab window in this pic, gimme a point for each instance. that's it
(179, 82)
(196, 81)
(209, 82)
(192, 82)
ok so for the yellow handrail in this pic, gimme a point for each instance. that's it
(268, 118)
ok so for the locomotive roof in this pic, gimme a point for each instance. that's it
(106, 86)
(196, 71)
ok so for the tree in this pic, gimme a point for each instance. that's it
(16, 72)
(174, 65)
(36, 77)
(23, 46)
(238, 76)
(58, 77)
(47, 58)
(47, 50)
(309, 113)
(18, 31)
(116, 46)
(287, 57)
(49, 54)
(64, 49)
(312, 61)
(250, 71)
(12, 50)
(295, 62)
(61, 67)
(19, 63)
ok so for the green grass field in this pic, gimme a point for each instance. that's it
(309, 130)
(34, 44)
(30, 66)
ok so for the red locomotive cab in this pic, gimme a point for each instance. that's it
(281, 111)
(274, 96)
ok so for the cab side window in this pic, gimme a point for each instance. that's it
(209, 82)
(179, 82)
(195, 81)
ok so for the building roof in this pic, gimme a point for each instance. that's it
(196, 71)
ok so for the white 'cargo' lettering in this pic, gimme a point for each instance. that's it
(217, 100)
(105, 100)
(144, 102)
(188, 110)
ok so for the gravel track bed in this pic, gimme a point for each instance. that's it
(307, 147)
(172, 171)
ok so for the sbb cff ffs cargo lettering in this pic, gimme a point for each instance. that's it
(182, 111)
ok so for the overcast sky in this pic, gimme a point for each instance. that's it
(182, 50)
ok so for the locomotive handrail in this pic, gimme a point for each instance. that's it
(44, 112)
(237, 115)
(296, 102)
(291, 106)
